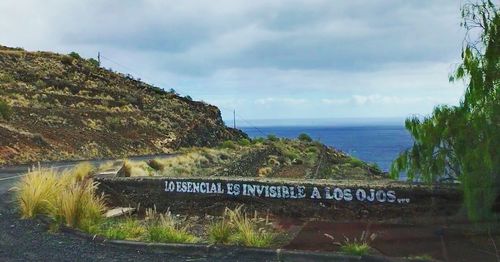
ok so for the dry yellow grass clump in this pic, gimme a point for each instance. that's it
(68, 196)
(237, 227)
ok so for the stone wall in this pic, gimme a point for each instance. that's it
(323, 199)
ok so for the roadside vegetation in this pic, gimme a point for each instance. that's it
(355, 246)
(69, 198)
(270, 157)
(238, 228)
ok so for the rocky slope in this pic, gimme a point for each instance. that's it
(55, 106)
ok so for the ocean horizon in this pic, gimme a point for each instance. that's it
(373, 143)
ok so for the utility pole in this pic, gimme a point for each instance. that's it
(99, 57)
(234, 118)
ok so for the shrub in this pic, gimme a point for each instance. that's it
(244, 142)
(5, 110)
(272, 138)
(356, 162)
(189, 98)
(66, 59)
(228, 144)
(75, 55)
(258, 140)
(94, 62)
(305, 137)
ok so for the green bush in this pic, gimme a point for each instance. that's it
(228, 144)
(273, 138)
(75, 55)
(94, 62)
(5, 110)
(258, 140)
(244, 142)
(356, 162)
(305, 137)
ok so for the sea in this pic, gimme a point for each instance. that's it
(379, 144)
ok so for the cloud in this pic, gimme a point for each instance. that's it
(284, 57)
(281, 100)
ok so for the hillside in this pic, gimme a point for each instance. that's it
(55, 107)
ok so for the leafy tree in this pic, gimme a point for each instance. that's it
(461, 143)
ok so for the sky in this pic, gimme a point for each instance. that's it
(283, 59)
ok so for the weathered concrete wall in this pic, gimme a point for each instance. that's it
(319, 199)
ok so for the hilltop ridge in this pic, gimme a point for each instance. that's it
(57, 107)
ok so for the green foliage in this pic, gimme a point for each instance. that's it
(189, 98)
(6, 78)
(169, 234)
(94, 62)
(247, 231)
(461, 142)
(273, 138)
(305, 137)
(228, 144)
(220, 232)
(356, 249)
(356, 162)
(114, 123)
(244, 142)
(128, 228)
(5, 110)
(258, 140)
(75, 55)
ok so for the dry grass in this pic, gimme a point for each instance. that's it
(68, 196)
(79, 206)
(137, 169)
(220, 232)
(37, 192)
(164, 228)
(249, 231)
(197, 161)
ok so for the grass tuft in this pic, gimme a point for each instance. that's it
(129, 228)
(220, 232)
(247, 230)
(37, 192)
(169, 234)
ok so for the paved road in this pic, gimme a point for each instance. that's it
(10, 175)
